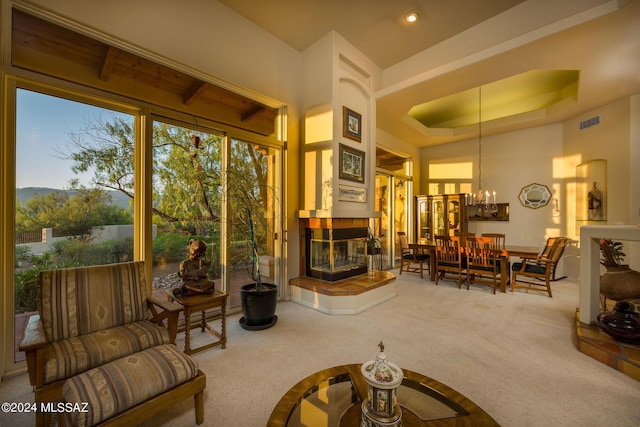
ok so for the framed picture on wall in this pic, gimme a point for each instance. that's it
(347, 193)
(351, 164)
(351, 124)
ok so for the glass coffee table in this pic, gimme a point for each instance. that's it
(334, 396)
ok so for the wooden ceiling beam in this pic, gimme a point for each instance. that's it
(196, 89)
(108, 63)
(46, 48)
(248, 115)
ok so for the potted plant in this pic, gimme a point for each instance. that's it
(258, 299)
(612, 255)
(374, 249)
(619, 282)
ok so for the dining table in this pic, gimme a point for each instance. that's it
(427, 245)
(513, 251)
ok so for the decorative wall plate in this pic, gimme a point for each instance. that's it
(534, 196)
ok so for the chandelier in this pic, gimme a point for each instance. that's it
(482, 201)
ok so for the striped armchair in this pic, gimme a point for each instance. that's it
(88, 317)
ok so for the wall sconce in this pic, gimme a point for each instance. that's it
(556, 208)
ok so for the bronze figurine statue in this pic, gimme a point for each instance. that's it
(194, 271)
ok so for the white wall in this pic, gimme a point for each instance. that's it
(549, 155)
(336, 75)
(609, 140)
(511, 161)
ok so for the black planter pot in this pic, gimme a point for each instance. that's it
(258, 307)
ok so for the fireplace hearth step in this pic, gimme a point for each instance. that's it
(347, 296)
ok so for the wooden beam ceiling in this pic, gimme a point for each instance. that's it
(43, 47)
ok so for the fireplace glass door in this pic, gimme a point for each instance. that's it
(337, 254)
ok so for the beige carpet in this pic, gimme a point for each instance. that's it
(512, 354)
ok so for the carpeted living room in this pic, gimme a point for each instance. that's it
(513, 354)
(166, 165)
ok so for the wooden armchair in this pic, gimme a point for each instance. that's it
(497, 240)
(483, 266)
(449, 257)
(409, 257)
(542, 267)
(88, 317)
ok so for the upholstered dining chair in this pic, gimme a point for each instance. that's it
(411, 260)
(549, 247)
(483, 266)
(541, 268)
(449, 257)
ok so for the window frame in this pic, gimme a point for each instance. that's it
(144, 114)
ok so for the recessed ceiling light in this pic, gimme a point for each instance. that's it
(411, 17)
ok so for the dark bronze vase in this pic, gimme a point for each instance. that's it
(623, 323)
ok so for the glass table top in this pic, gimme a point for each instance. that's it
(334, 396)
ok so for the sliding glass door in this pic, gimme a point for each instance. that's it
(394, 191)
(74, 191)
(77, 169)
(254, 205)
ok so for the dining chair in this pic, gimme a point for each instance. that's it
(464, 236)
(541, 267)
(449, 257)
(497, 240)
(483, 266)
(409, 257)
(548, 247)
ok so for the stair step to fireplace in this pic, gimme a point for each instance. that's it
(347, 296)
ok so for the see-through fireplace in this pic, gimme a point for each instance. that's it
(336, 253)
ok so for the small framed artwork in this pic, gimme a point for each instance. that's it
(351, 164)
(351, 124)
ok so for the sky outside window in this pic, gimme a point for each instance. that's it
(43, 127)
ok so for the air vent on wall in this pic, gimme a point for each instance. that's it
(589, 122)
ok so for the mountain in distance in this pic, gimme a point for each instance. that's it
(25, 194)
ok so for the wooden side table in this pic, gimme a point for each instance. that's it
(195, 303)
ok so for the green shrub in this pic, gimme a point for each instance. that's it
(27, 290)
(23, 253)
(42, 260)
(79, 252)
(170, 247)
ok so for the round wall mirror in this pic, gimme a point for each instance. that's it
(534, 196)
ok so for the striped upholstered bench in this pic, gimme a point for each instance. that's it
(133, 388)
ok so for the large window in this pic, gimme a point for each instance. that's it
(76, 182)
(187, 199)
(253, 184)
(192, 181)
(87, 139)
(74, 190)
